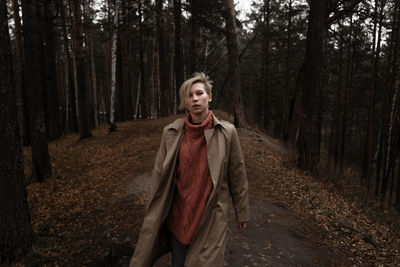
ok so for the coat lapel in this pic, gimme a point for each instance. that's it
(212, 150)
(173, 135)
(208, 134)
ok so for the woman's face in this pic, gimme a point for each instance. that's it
(198, 100)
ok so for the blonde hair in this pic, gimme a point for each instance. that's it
(184, 90)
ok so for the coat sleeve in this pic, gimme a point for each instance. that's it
(158, 163)
(237, 179)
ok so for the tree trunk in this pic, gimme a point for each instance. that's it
(395, 46)
(94, 85)
(308, 135)
(287, 72)
(338, 101)
(66, 67)
(113, 126)
(169, 53)
(81, 71)
(156, 75)
(398, 184)
(74, 95)
(388, 182)
(70, 114)
(16, 233)
(76, 86)
(165, 96)
(60, 85)
(347, 95)
(381, 171)
(22, 111)
(87, 17)
(33, 82)
(391, 111)
(392, 91)
(142, 87)
(234, 72)
(295, 112)
(369, 138)
(119, 87)
(49, 53)
(126, 55)
(266, 64)
(179, 60)
(194, 36)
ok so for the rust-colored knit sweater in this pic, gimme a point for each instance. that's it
(193, 182)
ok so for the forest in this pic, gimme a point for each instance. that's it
(321, 78)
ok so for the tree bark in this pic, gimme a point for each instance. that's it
(16, 233)
(156, 84)
(377, 184)
(33, 82)
(295, 112)
(169, 53)
(113, 126)
(338, 101)
(287, 71)
(194, 36)
(309, 135)
(81, 72)
(142, 88)
(347, 95)
(94, 85)
(234, 72)
(125, 35)
(395, 46)
(164, 90)
(389, 109)
(71, 123)
(87, 18)
(22, 110)
(398, 182)
(374, 70)
(390, 158)
(119, 85)
(266, 64)
(179, 60)
(49, 53)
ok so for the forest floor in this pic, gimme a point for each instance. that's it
(94, 203)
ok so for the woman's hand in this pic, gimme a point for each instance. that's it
(241, 226)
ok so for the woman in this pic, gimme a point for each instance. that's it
(198, 166)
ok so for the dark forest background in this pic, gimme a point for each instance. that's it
(320, 76)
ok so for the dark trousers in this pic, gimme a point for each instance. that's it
(178, 251)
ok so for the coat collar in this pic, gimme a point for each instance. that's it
(179, 123)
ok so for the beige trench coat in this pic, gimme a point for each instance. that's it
(228, 174)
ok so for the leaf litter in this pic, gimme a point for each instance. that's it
(83, 205)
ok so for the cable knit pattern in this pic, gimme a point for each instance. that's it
(193, 182)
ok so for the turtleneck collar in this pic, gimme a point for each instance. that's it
(198, 129)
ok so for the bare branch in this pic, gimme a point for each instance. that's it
(347, 9)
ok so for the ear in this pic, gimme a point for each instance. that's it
(209, 98)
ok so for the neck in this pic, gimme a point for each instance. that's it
(199, 118)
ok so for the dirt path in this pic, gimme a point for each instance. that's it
(273, 238)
